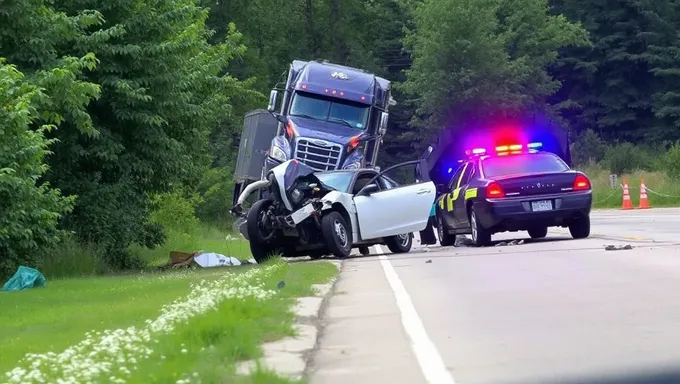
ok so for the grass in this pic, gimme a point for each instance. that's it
(55, 317)
(606, 197)
(71, 259)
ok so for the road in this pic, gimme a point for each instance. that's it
(552, 311)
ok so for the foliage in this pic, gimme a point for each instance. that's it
(477, 61)
(29, 208)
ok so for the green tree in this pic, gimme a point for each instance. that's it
(480, 60)
(29, 209)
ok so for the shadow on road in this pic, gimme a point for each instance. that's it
(656, 376)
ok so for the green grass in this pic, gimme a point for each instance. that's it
(59, 315)
(605, 197)
(207, 239)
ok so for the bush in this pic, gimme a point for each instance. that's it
(588, 148)
(217, 191)
(626, 157)
(671, 161)
(29, 210)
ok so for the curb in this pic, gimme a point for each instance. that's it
(289, 357)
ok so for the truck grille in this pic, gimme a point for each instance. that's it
(318, 154)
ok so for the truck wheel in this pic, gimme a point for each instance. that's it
(580, 228)
(538, 233)
(480, 236)
(261, 249)
(364, 250)
(399, 243)
(445, 238)
(337, 234)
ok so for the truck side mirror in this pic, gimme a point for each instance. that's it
(383, 122)
(273, 95)
(281, 118)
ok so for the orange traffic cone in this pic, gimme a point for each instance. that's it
(627, 204)
(644, 203)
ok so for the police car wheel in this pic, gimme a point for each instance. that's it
(580, 228)
(480, 235)
(337, 234)
(399, 243)
(538, 233)
(445, 238)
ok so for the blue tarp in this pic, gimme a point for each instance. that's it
(25, 278)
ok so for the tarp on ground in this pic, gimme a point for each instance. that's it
(25, 278)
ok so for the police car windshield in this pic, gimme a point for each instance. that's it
(338, 180)
(329, 109)
(522, 164)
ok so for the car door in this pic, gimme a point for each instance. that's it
(459, 205)
(398, 210)
(446, 203)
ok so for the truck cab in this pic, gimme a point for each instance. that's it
(330, 117)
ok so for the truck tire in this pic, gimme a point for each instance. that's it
(480, 236)
(261, 249)
(337, 234)
(445, 238)
(399, 243)
(538, 233)
(580, 228)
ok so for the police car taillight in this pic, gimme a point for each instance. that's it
(581, 183)
(494, 190)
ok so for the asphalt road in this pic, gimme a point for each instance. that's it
(542, 312)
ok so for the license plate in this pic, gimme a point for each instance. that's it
(302, 213)
(542, 205)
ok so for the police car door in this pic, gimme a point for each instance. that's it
(460, 205)
(446, 203)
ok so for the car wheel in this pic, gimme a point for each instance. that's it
(337, 234)
(480, 235)
(445, 238)
(259, 237)
(364, 251)
(399, 243)
(580, 228)
(538, 233)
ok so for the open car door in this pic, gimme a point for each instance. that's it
(395, 211)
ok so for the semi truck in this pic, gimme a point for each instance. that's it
(330, 117)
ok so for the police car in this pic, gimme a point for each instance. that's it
(514, 187)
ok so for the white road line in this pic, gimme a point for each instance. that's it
(431, 363)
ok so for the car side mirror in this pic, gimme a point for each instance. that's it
(369, 189)
(273, 95)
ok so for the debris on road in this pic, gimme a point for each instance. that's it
(512, 242)
(618, 248)
(428, 261)
(202, 259)
(463, 241)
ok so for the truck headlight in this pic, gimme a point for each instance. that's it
(354, 165)
(277, 153)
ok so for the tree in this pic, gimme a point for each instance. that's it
(476, 61)
(29, 209)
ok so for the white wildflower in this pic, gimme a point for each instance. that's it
(112, 354)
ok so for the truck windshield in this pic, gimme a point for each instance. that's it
(338, 180)
(522, 164)
(330, 109)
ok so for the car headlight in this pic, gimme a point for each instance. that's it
(355, 165)
(277, 153)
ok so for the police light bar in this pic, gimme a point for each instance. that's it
(534, 145)
(475, 151)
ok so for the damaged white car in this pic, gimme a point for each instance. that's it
(311, 213)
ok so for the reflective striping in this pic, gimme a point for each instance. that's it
(470, 193)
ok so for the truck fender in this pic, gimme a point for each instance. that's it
(335, 200)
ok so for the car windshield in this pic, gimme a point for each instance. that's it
(522, 164)
(338, 180)
(344, 112)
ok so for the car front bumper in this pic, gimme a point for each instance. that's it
(516, 214)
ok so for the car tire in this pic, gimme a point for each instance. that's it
(261, 249)
(337, 234)
(445, 238)
(364, 250)
(580, 228)
(399, 243)
(480, 236)
(538, 233)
